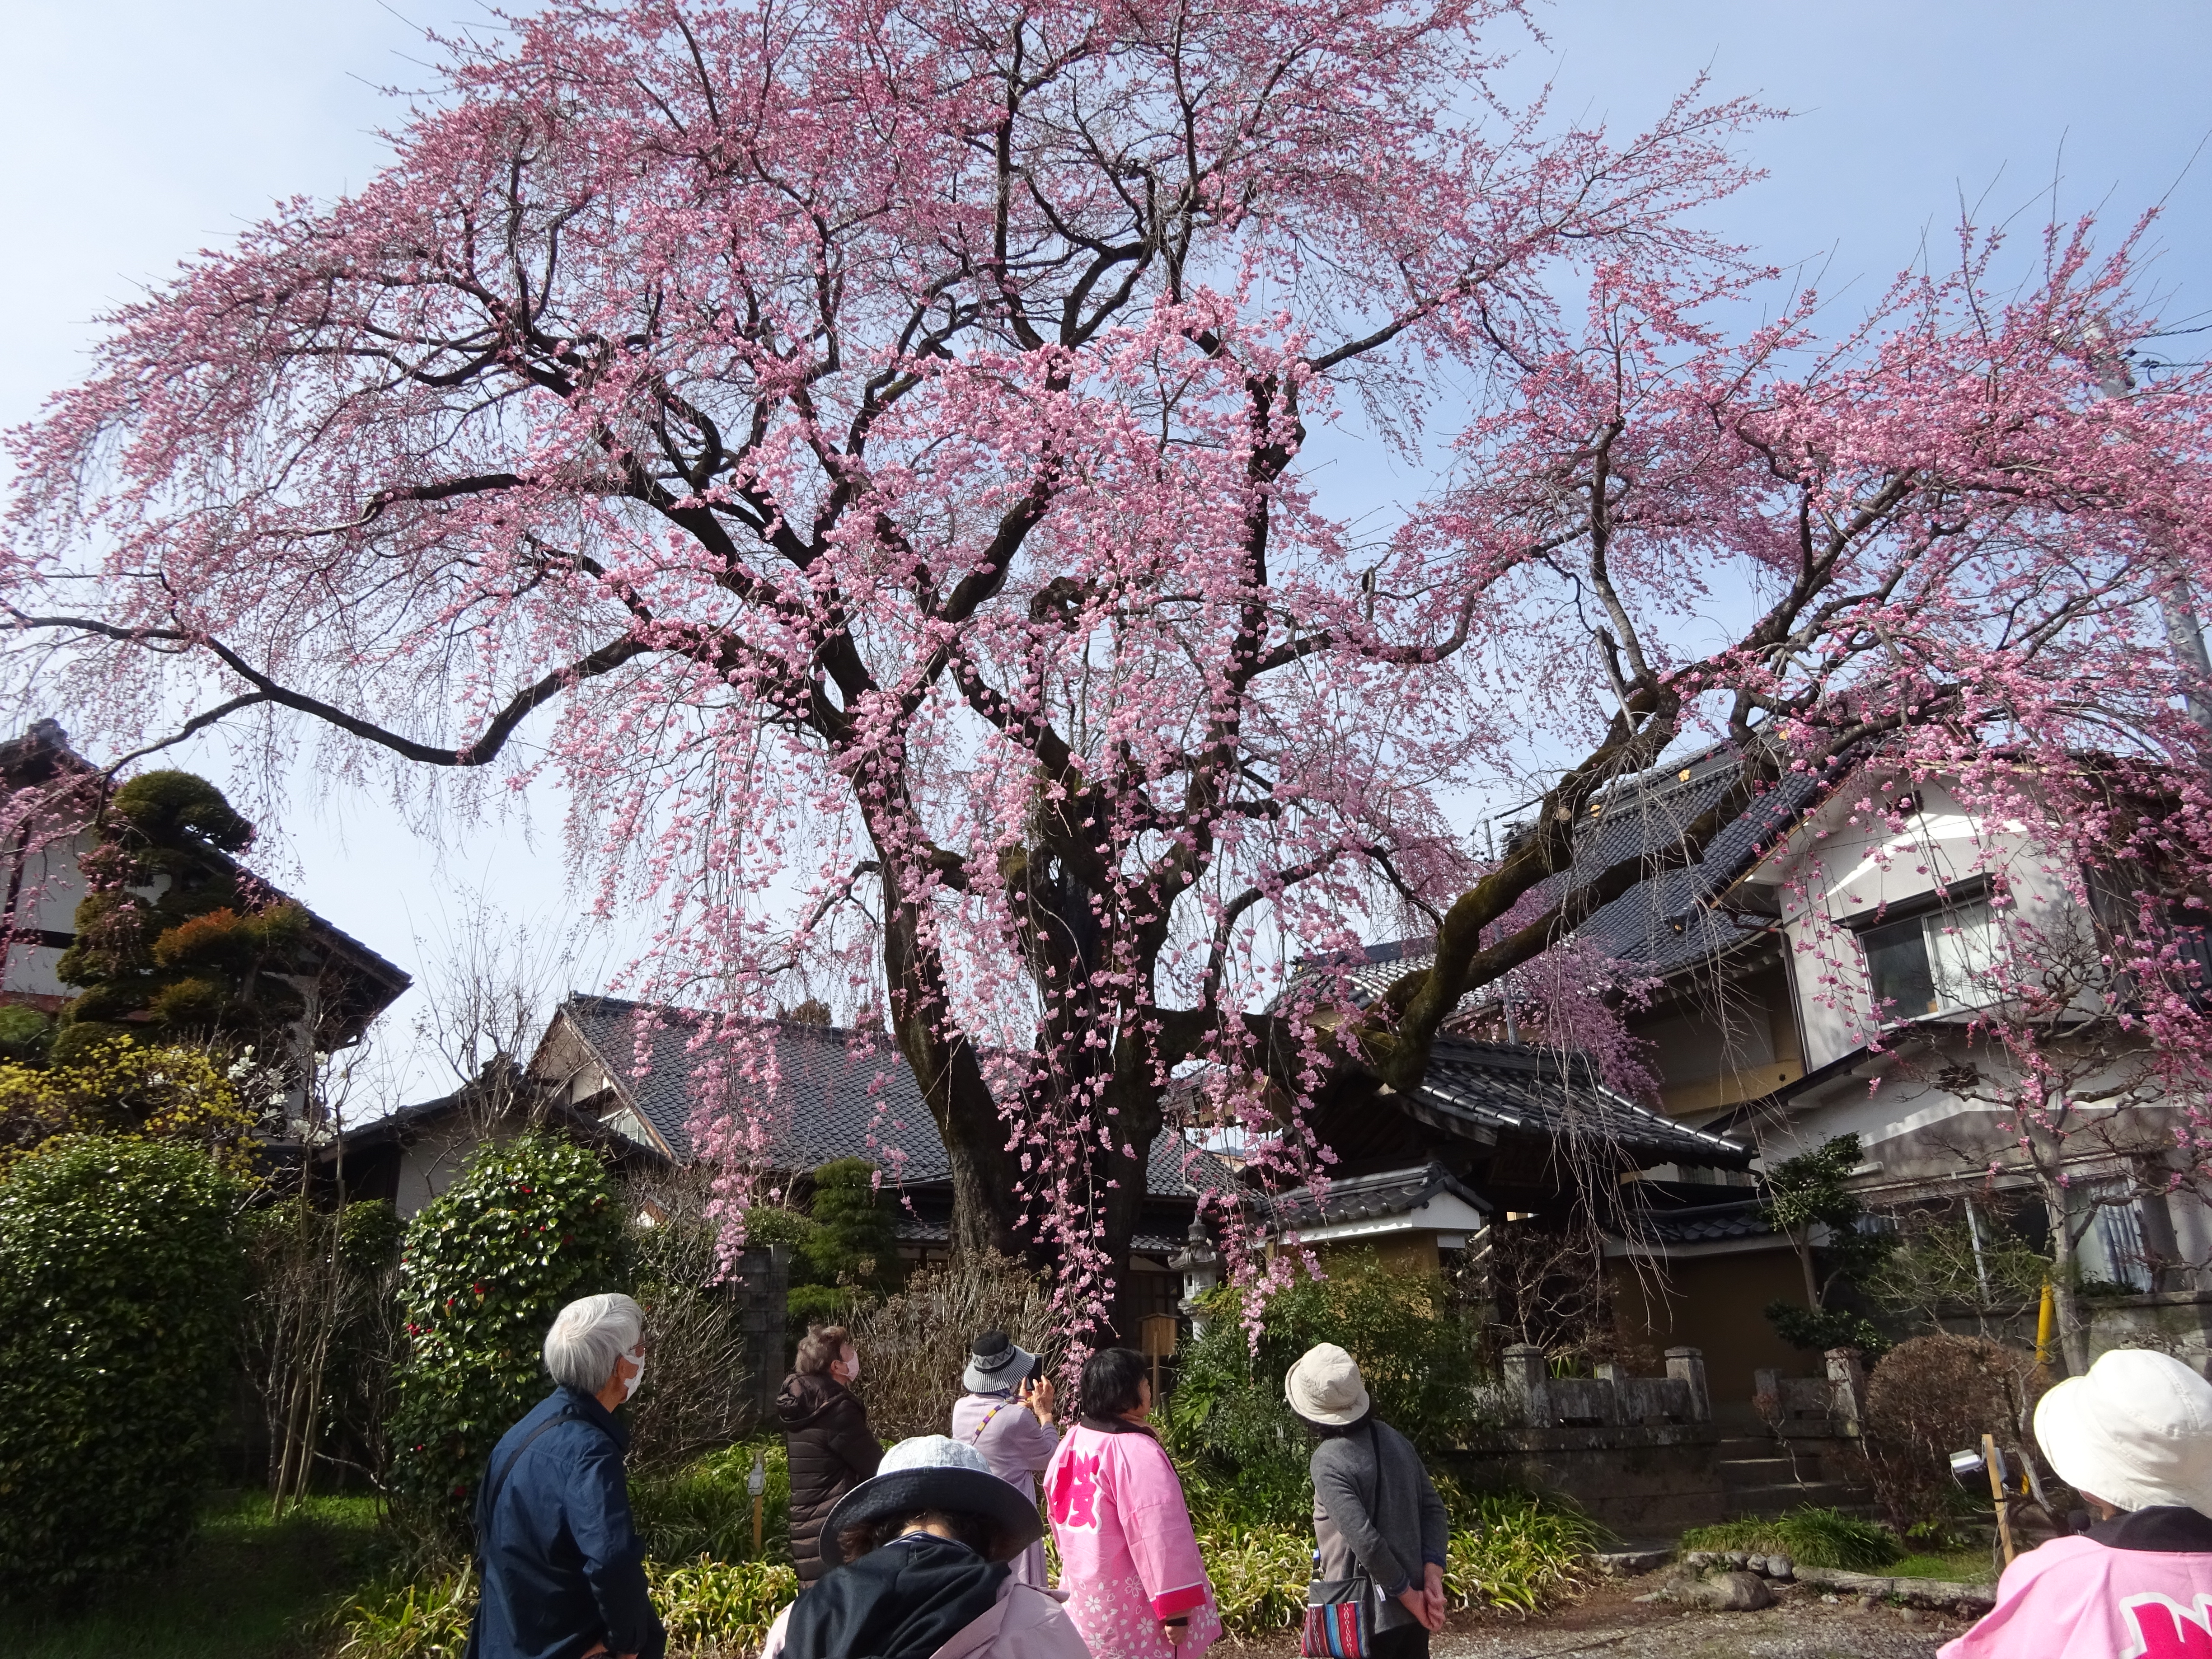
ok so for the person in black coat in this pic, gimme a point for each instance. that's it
(826, 1436)
(562, 1565)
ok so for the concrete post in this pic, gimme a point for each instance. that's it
(1688, 1365)
(763, 1285)
(1525, 1374)
(1846, 1388)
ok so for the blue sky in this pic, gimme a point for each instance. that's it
(136, 133)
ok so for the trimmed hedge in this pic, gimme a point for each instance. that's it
(528, 1227)
(119, 1280)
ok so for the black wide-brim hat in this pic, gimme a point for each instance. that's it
(950, 1489)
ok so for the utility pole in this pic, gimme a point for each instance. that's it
(2176, 604)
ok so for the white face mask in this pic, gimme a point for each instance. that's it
(851, 1365)
(636, 1357)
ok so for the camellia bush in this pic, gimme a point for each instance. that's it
(119, 1275)
(528, 1227)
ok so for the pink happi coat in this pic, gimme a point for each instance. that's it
(2073, 1598)
(1128, 1557)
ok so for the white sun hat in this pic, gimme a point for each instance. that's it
(1324, 1386)
(2136, 1431)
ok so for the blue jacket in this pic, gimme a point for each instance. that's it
(562, 1567)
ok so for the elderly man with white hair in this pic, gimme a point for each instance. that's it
(562, 1567)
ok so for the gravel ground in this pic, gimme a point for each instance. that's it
(1609, 1624)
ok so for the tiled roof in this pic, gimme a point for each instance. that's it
(1499, 1088)
(1706, 1224)
(839, 1094)
(1666, 923)
(1370, 1197)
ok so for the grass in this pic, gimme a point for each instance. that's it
(1970, 1566)
(1810, 1537)
(246, 1587)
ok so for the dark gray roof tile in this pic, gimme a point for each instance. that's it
(839, 1093)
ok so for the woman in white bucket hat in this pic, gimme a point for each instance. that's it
(2134, 1438)
(1375, 1507)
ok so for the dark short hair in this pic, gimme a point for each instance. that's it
(1113, 1381)
(821, 1348)
(978, 1532)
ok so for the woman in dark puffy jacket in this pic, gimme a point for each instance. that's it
(826, 1436)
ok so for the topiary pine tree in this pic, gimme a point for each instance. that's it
(1809, 1192)
(529, 1226)
(197, 957)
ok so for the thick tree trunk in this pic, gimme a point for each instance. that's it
(1122, 1201)
(984, 1205)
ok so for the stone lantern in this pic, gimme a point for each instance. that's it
(1200, 1264)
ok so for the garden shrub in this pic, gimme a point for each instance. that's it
(703, 1509)
(1509, 1550)
(844, 1248)
(319, 1333)
(1517, 1551)
(528, 1227)
(1932, 1396)
(1227, 1413)
(698, 1391)
(711, 1609)
(721, 1608)
(118, 1087)
(119, 1275)
(914, 1346)
(1810, 1537)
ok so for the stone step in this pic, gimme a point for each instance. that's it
(1766, 1471)
(1781, 1499)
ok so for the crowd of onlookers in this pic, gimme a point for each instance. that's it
(934, 1549)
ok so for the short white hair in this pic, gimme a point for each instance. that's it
(588, 1336)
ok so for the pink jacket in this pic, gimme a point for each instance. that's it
(2074, 1598)
(1127, 1555)
(1026, 1623)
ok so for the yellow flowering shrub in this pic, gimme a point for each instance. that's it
(138, 1091)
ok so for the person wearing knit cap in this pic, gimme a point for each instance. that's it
(916, 1569)
(1005, 1413)
(2134, 1438)
(1374, 1503)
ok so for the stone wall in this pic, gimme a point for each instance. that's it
(1641, 1482)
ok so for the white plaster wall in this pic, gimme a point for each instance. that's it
(51, 890)
(1846, 863)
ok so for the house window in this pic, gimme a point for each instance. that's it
(1928, 964)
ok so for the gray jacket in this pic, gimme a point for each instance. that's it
(1392, 1544)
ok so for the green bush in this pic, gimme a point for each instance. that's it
(844, 1248)
(1260, 1575)
(1809, 1537)
(119, 1278)
(528, 1227)
(1507, 1549)
(704, 1508)
(720, 1607)
(1227, 1416)
(1519, 1551)
(708, 1606)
